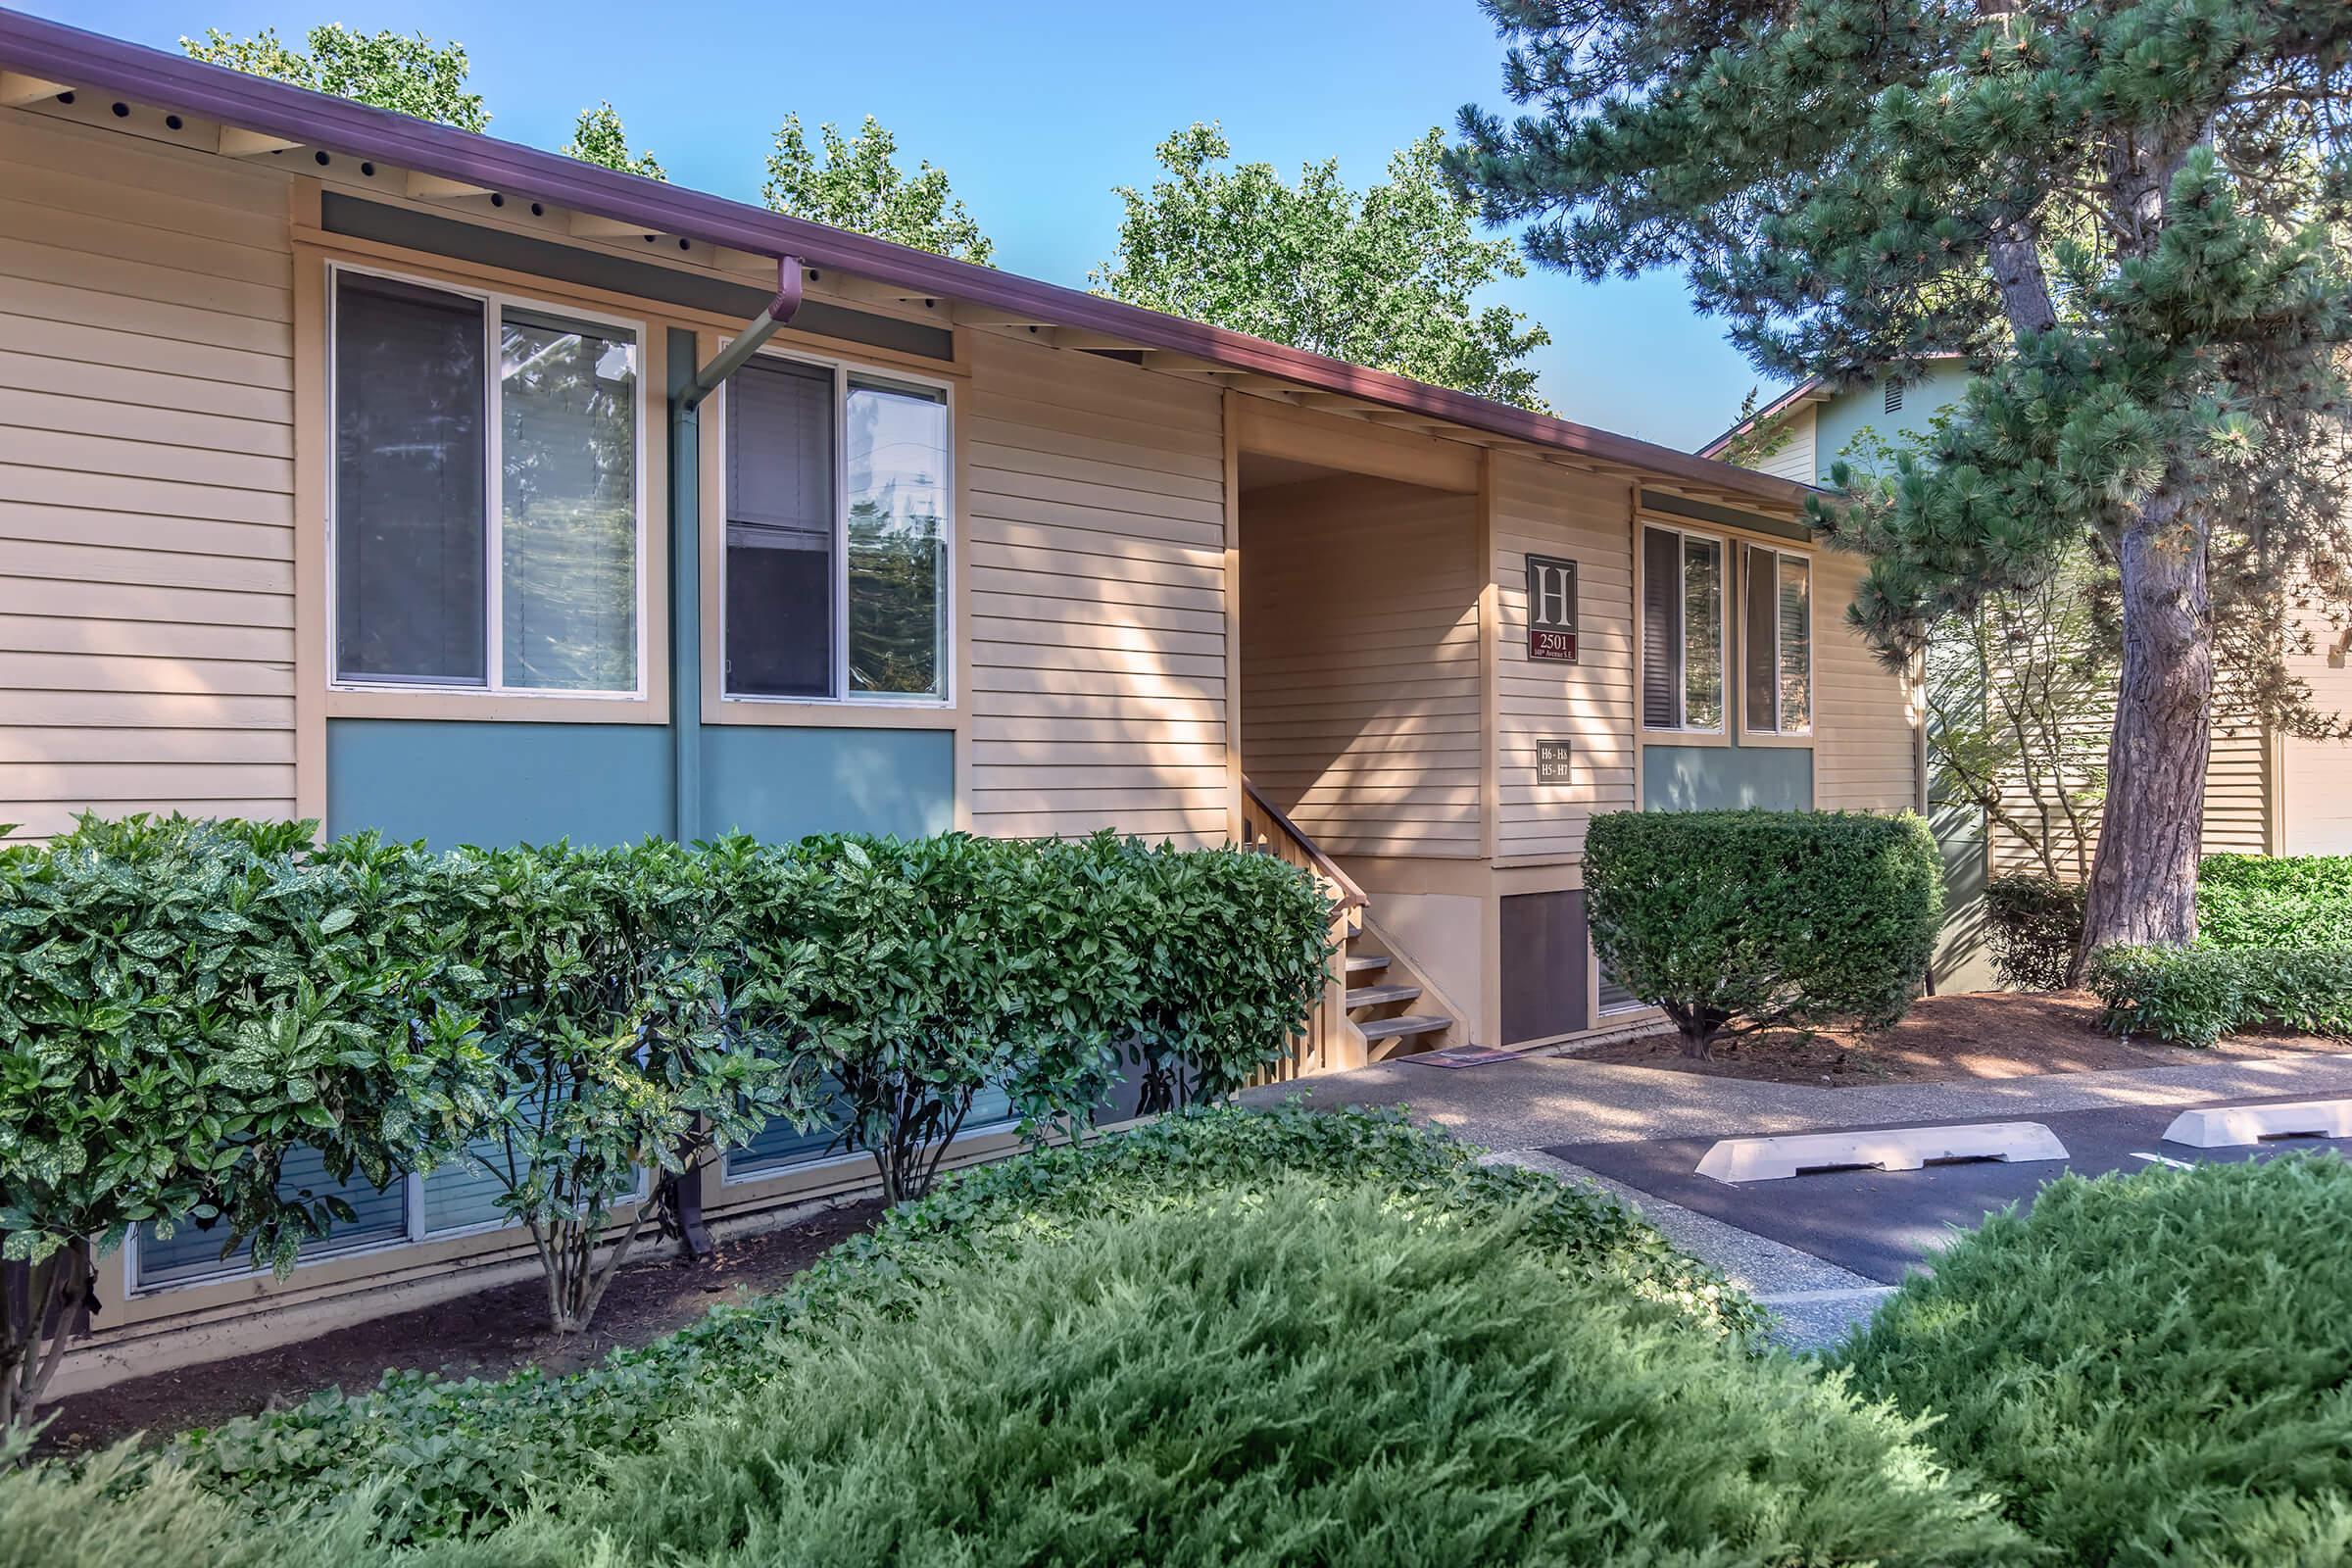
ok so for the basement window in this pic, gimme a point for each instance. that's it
(488, 492)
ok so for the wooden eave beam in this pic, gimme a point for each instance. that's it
(238, 142)
(433, 188)
(17, 89)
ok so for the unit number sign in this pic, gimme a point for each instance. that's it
(1551, 609)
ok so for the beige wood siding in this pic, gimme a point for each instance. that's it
(2238, 789)
(1865, 747)
(2315, 776)
(146, 481)
(1359, 663)
(1544, 510)
(1795, 458)
(1096, 622)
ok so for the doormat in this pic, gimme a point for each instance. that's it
(1462, 1057)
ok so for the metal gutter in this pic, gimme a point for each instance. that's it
(53, 52)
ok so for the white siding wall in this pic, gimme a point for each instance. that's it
(1096, 530)
(146, 481)
(1544, 510)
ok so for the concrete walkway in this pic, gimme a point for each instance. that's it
(1518, 1109)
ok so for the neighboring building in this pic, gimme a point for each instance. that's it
(2265, 793)
(352, 468)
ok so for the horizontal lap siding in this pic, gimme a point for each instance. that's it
(1547, 510)
(146, 482)
(1360, 653)
(1865, 749)
(1096, 547)
(2316, 784)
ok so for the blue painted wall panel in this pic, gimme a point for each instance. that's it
(458, 781)
(1845, 416)
(780, 784)
(1706, 778)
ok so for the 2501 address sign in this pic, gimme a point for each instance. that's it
(1551, 609)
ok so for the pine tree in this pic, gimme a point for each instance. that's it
(2128, 214)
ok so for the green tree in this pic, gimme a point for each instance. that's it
(597, 137)
(1386, 279)
(2128, 213)
(857, 185)
(391, 70)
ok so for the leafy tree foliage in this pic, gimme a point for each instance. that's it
(597, 137)
(1388, 277)
(2128, 213)
(857, 184)
(391, 70)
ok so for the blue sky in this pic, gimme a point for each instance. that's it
(1035, 110)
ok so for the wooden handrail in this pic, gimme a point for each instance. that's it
(1351, 897)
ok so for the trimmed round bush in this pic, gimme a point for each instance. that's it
(1282, 1377)
(1740, 921)
(2151, 1368)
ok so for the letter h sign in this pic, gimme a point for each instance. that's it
(1551, 609)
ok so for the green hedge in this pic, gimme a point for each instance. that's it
(1276, 1376)
(1734, 922)
(182, 1004)
(455, 1455)
(2034, 925)
(2194, 996)
(2287, 901)
(2150, 1368)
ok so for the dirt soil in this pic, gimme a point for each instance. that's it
(485, 1335)
(1981, 1034)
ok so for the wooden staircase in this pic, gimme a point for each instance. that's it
(1365, 1015)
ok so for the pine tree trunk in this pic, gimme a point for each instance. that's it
(2143, 880)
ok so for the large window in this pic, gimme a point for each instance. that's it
(1777, 643)
(837, 541)
(1682, 631)
(488, 492)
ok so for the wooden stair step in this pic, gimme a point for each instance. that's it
(1367, 962)
(1403, 1028)
(1380, 995)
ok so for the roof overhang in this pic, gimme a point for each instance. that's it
(49, 52)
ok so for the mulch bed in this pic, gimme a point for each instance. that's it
(488, 1334)
(1980, 1033)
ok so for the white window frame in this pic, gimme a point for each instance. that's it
(1723, 638)
(495, 302)
(1778, 731)
(844, 370)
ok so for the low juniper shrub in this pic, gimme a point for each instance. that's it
(460, 1456)
(2149, 1367)
(1274, 1375)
